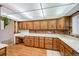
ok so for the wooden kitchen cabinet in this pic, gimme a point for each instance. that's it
(20, 25)
(36, 44)
(24, 25)
(29, 41)
(65, 50)
(67, 53)
(3, 51)
(31, 38)
(48, 43)
(63, 22)
(26, 41)
(52, 24)
(55, 43)
(43, 24)
(61, 50)
(42, 42)
(19, 40)
(36, 25)
(30, 25)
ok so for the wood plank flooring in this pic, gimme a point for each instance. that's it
(21, 50)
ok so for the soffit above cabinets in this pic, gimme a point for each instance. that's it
(36, 11)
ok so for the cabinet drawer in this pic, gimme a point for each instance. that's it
(2, 51)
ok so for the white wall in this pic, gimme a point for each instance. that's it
(7, 33)
(75, 25)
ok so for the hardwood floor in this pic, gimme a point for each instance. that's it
(21, 50)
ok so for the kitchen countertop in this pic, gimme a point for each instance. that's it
(3, 45)
(69, 40)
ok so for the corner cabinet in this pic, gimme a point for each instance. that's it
(65, 50)
(63, 23)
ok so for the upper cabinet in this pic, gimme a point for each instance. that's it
(52, 24)
(63, 23)
(29, 25)
(22, 25)
(43, 24)
(36, 25)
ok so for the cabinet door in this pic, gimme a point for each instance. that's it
(61, 23)
(31, 40)
(3, 52)
(20, 25)
(30, 25)
(26, 41)
(48, 43)
(24, 25)
(36, 24)
(36, 44)
(43, 24)
(42, 42)
(62, 50)
(67, 53)
(55, 44)
(68, 50)
(52, 24)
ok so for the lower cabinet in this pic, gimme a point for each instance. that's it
(3, 52)
(31, 39)
(67, 53)
(36, 42)
(65, 50)
(42, 42)
(61, 50)
(48, 43)
(27, 41)
(19, 40)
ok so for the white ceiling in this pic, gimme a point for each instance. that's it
(36, 11)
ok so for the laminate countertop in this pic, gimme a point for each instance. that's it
(3, 45)
(69, 40)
